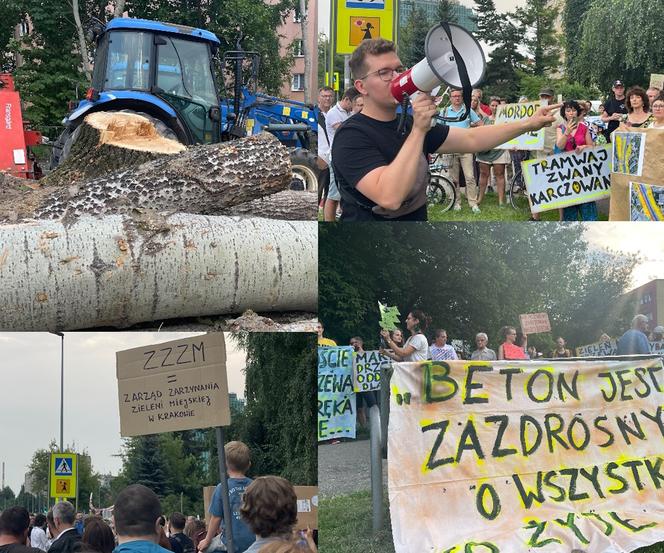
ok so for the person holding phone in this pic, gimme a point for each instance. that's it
(574, 135)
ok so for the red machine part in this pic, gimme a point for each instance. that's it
(15, 157)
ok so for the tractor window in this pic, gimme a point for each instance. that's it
(128, 63)
(184, 70)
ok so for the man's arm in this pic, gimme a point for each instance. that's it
(481, 139)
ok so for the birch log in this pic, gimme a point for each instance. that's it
(116, 270)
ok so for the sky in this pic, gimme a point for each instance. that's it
(631, 237)
(30, 406)
(324, 10)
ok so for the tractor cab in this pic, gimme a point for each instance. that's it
(161, 69)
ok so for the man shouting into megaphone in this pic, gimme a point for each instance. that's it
(382, 173)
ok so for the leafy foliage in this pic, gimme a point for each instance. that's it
(412, 35)
(503, 68)
(488, 22)
(537, 19)
(445, 11)
(574, 12)
(470, 278)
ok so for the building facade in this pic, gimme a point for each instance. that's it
(648, 300)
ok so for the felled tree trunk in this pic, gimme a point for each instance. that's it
(117, 270)
(289, 205)
(203, 179)
(107, 142)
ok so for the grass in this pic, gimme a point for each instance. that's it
(345, 526)
(490, 212)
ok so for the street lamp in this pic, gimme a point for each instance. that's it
(62, 384)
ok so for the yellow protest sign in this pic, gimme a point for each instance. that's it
(509, 456)
(357, 20)
(508, 113)
(62, 475)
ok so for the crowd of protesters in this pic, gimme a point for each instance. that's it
(263, 511)
(576, 127)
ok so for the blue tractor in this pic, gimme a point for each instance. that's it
(167, 72)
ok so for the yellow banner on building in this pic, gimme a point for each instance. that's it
(357, 20)
(511, 456)
(63, 475)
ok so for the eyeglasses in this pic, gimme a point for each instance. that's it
(658, 106)
(385, 74)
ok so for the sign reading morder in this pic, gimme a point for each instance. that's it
(512, 456)
(178, 385)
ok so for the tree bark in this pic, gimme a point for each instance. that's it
(118, 270)
(203, 179)
(288, 205)
(85, 58)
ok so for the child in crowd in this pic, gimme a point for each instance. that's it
(238, 461)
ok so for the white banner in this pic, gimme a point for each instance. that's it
(509, 113)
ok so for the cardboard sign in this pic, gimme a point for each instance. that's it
(646, 202)
(177, 385)
(509, 113)
(336, 398)
(511, 456)
(652, 172)
(357, 20)
(657, 80)
(366, 370)
(63, 475)
(533, 323)
(307, 507)
(568, 179)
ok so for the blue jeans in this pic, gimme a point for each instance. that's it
(587, 211)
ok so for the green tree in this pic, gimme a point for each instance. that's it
(323, 55)
(445, 11)
(145, 463)
(489, 23)
(280, 416)
(636, 26)
(412, 35)
(574, 12)
(505, 63)
(537, 19)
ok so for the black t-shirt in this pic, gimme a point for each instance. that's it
(612, 106)
(363, 144)
(18, 548)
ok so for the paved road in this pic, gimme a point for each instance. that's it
(345, 468)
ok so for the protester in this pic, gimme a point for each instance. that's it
(638, 109)
(440, 350)
(397, 336)
(382, 173)
(509, 349)
(269, 508)
(38, 537)
(653, 92)
(136, 513)
(238, 461)
(358, 103)
(532, 352)
(14, 529)
(78, 523)
(357, 343)
(322, 341)
(635, 340)
(66, 537)
(574, 135)
(614, 109)
(290, 546)
(560, 350)
(482, 353)
(179, 540)
(657, 113)
(416, 347)
(195, 530)
(325, 99)
(477, 92)
(97, 536)
(657, 334)
(493, 159)
(163, 539)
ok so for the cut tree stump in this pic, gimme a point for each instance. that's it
(115, 271)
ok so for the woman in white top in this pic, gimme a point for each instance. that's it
(416, 347)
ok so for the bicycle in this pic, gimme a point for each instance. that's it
(440, 190)
(517, 192)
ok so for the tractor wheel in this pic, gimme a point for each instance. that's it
(305, 170)
(63, 144)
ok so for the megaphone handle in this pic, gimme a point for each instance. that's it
(401, 129)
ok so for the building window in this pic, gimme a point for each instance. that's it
(23, 28)
(297, 83)
(297, 48)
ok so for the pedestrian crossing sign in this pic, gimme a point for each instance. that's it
(63, 475)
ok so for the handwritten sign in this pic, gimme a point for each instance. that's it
(177, 385)
(534, 323)
(657, 80)
(509, 113)
(568, 179)
(366, 370)
(336, 398)
(307, 507)
(511, 456)
(646, 202)
(604, 349)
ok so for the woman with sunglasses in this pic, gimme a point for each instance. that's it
(574, 135)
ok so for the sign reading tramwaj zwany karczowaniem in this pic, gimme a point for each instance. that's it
(177, 385)
(504, 457)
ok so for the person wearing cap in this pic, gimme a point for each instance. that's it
(614, 109)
